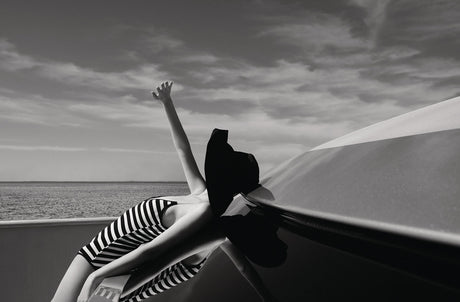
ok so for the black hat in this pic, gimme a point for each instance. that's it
(228, 172)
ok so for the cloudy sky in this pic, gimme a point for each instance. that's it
(282, 76)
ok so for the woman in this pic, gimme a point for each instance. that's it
(156, 226)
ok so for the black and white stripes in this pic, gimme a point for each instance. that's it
(166, 279)
(106, 294)
(138, 225)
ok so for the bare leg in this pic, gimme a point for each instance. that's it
(73, 280)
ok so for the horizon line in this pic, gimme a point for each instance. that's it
(162, 181)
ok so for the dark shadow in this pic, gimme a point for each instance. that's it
(256, 237)
(434, 262)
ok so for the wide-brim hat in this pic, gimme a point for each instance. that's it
(228, 172)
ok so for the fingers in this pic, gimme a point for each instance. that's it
(166, 85)
(164, 88)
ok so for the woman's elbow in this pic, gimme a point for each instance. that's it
(202, 216)
(205, 209)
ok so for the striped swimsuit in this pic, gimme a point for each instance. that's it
(139, 224)
(169, 277)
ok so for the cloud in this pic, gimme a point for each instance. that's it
(291, 91)
(152, 39)
(217, 106)
(154, 43)
(376, 15)
(12, 60)
(123, 111)
(41, 148)
(427, 70)
(336, 79)
(71, 74)
(203, 58)
(124, 150)
(314, 76)
(395, 53)
(424, 20)
(316, 33)
(360, 66)
(289, 101)
(20, 107)
(198, 123)
(157, 42)
(77, 149)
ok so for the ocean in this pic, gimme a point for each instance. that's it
(40, 200)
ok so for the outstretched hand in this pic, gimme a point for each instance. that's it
(163, 93)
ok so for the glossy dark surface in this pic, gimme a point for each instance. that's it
(311, 272)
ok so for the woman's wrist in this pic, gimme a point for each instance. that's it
(167, 101)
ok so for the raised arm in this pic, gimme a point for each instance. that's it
(194, 178)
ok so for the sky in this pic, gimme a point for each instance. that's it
(281, 76)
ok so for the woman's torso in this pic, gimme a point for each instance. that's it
(185, 204)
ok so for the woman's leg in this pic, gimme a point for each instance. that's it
(73, 280)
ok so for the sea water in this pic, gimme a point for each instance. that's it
(40, 200)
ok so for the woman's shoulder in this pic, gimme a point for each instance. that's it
(190, 198)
